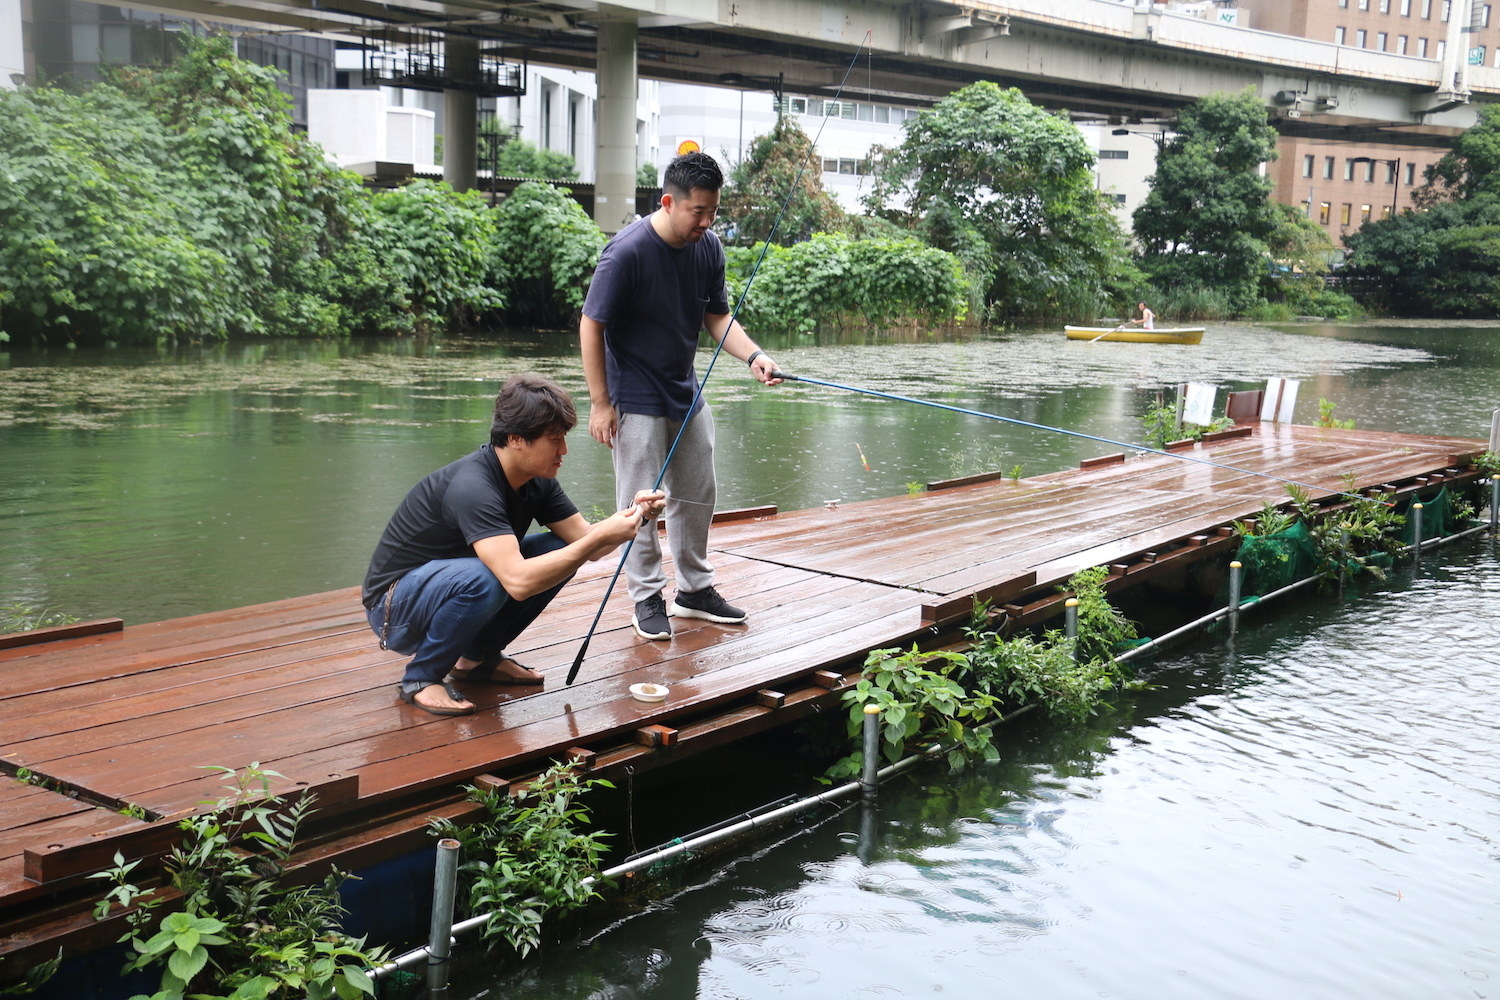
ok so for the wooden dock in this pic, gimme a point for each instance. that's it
(100, 719)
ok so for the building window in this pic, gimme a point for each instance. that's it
(1411, 174)
(1348, 170)
(1447, 9)
(1344, 215)
(1427, 10)
(1364, 214)
(1364, 4)
(1307, 165)
(1118, 199)
(1324, 210)
(1385, 6)
(1400, 45)
(1338, 36)
(1442, 47)
(1484, 16)
(1328, 167)
(1380, 40)
(1406, 8)
(1343, 3)
(1422, 47)
(1369, 171)
(1114, 154)
(1359, 38)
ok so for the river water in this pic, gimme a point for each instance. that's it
(1311, 812)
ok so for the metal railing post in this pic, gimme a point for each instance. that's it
(1416, 532)
(869, 779)
(1234, 595)
(440, 938)
(1070, 617)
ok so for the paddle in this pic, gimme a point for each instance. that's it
(1117, 329)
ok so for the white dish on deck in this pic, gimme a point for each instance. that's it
(648, 692)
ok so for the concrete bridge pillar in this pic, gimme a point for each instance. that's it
(614, 142)
(460, 113)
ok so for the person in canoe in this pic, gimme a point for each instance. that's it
(1146, 320)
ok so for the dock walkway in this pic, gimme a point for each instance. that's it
(96, 727)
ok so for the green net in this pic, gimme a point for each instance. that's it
(1438, 517)
(1271, 562)
(399, 985)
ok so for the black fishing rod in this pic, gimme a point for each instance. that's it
(1063, 430)
(698, 394)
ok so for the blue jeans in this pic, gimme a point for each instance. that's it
(452, 608)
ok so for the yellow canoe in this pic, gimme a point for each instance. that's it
(1135, 335)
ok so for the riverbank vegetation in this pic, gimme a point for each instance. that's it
(180, 204)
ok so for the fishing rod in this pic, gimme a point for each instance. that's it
(708, 371)
(1063, 430)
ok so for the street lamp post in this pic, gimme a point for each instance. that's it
(1395, 166)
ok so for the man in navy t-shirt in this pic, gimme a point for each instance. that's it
(455, 577)
(659, 282)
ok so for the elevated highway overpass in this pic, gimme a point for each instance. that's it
(1108, 60)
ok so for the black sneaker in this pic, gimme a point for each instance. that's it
(706, 604)
(651, 620)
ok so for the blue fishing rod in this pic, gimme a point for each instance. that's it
(698, 394)
(1063, 430)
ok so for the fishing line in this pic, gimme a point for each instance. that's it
(1063, 430)
(719, 349)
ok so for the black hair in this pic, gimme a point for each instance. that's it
(530, 406)
(690, 171)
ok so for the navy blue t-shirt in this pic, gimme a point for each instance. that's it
(451, 509)
(651, 298)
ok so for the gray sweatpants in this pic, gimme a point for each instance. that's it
(641, 445)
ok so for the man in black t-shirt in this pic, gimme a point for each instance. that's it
(455, 577)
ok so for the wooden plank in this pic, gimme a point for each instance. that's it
(54, 633)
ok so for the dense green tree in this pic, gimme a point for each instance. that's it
(1009, 188)
(519, 158)
(1470, 168)
(1208, 218)
(1300, 256)
(782, 168)
(180, 203)
(1441, 262)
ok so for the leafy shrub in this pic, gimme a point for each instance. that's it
(951, 699)
(548, 247)
(526, 858)
(442, 245)
(831, 280)
(238, 928)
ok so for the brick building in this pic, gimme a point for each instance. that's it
(1343, 185)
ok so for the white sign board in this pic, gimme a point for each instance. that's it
(1280, 400)
(1198, 404)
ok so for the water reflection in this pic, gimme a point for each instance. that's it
(226, 474)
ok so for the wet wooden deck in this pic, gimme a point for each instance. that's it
(130, 717)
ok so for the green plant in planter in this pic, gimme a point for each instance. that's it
(1161, 428)
(922, 703)
(1358, 537)
(527, 857)
(1326, 417)
(237, 928)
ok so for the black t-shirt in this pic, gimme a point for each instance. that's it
(651, 298)
(451, 509)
